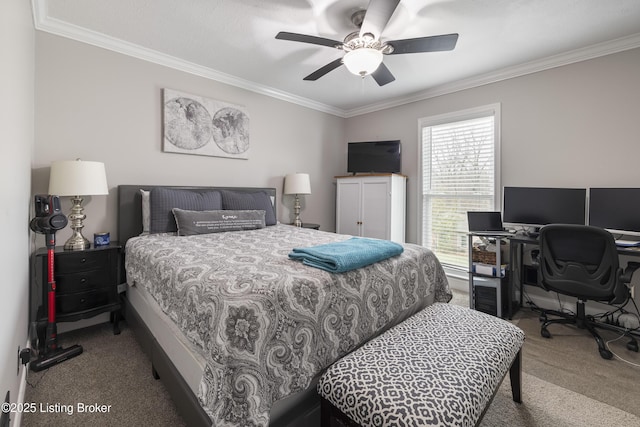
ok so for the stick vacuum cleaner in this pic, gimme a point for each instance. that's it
(47, 221)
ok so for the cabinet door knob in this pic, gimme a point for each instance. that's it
(83, 260)
(83, 280)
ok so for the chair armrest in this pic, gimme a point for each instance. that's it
(627, 275)
(622, 293)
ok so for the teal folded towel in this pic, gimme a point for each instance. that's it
(338, 257)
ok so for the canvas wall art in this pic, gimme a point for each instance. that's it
(194, 124)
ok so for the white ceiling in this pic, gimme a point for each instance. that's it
(233, 41)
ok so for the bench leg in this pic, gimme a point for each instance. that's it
(515, 375)
(325, 413)
(330, 416)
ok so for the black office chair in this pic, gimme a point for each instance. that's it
(582, 261)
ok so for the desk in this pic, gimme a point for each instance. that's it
(520, 275)
(495, 293)
(516, 263)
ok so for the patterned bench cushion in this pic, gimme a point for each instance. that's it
(439, 367)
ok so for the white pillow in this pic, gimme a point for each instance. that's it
(146, 213)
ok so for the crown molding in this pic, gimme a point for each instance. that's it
(566, 58)
(45, 23)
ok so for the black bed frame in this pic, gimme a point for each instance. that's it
(130, 225)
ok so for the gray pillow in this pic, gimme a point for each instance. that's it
(236, 200)
(163, 200)
(205, 222)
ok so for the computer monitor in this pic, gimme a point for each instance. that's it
(534, 206)
(615, 209)
(484, 221)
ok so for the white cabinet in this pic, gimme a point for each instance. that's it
(372, 206)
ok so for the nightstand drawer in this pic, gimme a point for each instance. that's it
(83, 281)
(66, 304)
(73, 262)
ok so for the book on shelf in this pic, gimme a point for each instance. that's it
(489, 269)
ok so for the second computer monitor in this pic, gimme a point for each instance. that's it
(536, 206)
(615, 209)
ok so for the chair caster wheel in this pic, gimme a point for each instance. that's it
(632, 345)
(605, 354)
(545, 333)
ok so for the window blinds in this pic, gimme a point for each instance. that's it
(459, 173)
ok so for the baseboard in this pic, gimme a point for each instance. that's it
(17, 420)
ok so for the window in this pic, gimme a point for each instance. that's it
(459, 167)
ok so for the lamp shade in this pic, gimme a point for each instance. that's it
(297, 183)
(77, 178)
(363, 61)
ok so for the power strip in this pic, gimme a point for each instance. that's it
(629, 321)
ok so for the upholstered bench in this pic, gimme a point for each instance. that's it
(441, 366)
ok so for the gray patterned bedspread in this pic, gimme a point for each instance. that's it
(266, 324)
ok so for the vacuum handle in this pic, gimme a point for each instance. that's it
(51, 281)
(50, 240)
(51, 335)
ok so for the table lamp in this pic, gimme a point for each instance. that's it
(77, 178)
(297, 183)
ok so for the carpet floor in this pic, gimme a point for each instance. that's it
(565, 383)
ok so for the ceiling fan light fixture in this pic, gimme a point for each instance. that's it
(362, 61)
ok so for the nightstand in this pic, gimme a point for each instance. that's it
(86, 285)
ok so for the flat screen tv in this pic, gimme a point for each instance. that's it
(373, 157)
(536, 207)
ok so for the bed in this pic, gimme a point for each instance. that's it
(239, 332)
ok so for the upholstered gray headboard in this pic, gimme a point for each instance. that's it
(130, 205)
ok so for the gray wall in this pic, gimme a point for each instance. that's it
(576, 125)
(16, 144)
(569, 126)
(99, 105)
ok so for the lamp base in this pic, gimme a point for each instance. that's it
(296, 211)
(77, 242)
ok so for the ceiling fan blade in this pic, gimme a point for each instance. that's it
(283, 35)
(378, 14)
(424, 44)
(324, 70)
(382, 75)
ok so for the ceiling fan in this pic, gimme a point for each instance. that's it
(364, 49)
